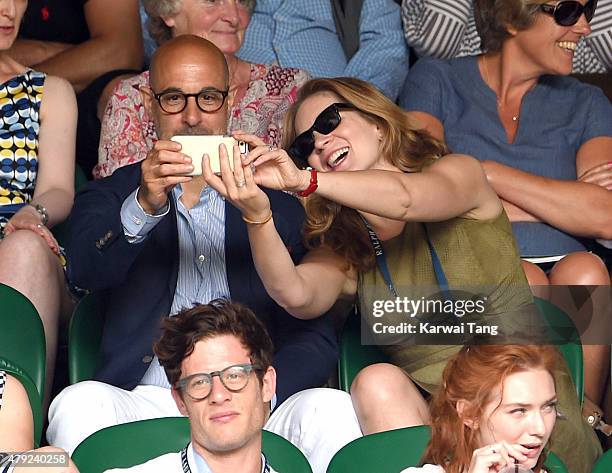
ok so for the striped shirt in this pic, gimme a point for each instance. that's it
(446, 29)
(201, 234)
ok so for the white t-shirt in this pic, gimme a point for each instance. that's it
(424, 469)
(169, 463)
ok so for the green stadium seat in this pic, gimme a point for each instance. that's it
(126, 445)
(390, 451)
(395, 450)
(84, 337)
(565, 335)
(604, 464)
(22, 336)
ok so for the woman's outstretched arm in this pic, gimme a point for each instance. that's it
(307, 290)
(452, 186)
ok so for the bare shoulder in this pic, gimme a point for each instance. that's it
(13, 389)
(58, 98)
(57, 86)
(458, 163)
(466, 173)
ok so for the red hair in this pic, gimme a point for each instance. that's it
(473, 374)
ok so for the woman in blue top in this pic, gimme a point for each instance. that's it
(37, 140)
(544, 139)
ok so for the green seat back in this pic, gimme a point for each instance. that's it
(395, 450)
(126, 445)
(19, 373)
(604, 464)
(22, 336)
(384, 452)
(566, 336)
(283, 455)
(554, 464)
(354, 356)
(84, 338)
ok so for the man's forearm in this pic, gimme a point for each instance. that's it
(30, 51)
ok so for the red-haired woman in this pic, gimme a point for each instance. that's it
(497, 407)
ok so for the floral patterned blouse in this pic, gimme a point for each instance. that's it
(128, 134)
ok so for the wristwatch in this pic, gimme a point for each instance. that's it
(44, 215)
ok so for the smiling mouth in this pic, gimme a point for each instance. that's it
(337, 157)
(567, 45)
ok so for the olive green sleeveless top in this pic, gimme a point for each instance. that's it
(479, 256)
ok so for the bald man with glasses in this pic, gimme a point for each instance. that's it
(154, 241)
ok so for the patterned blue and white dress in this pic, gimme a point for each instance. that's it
(20, 99)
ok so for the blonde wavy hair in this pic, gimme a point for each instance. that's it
(402, 144)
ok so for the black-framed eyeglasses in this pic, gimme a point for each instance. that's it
(567, 12)
(199, 386)
(174, 101)
(326, 122)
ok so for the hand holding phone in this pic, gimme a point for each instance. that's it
(195, 146)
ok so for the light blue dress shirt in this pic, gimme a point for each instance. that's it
(202, 466)
(201, 235)
(302, 34)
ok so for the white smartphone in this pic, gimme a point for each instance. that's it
(195, 146)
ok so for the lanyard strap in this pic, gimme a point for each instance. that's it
(381, 261)
(184, 462)
(440, 276)
(187, 469)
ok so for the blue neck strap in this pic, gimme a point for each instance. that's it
(381, 261)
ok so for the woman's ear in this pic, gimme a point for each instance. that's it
(168, 20)
(462, 406)
(512, 31)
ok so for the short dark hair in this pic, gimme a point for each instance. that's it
(181, 332)
(494, 17)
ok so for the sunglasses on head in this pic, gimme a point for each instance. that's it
(326, 122)
(567, 12)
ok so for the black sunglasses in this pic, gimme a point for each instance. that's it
(567, 12)
(327, 121)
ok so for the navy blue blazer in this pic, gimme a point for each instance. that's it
(139, 280)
